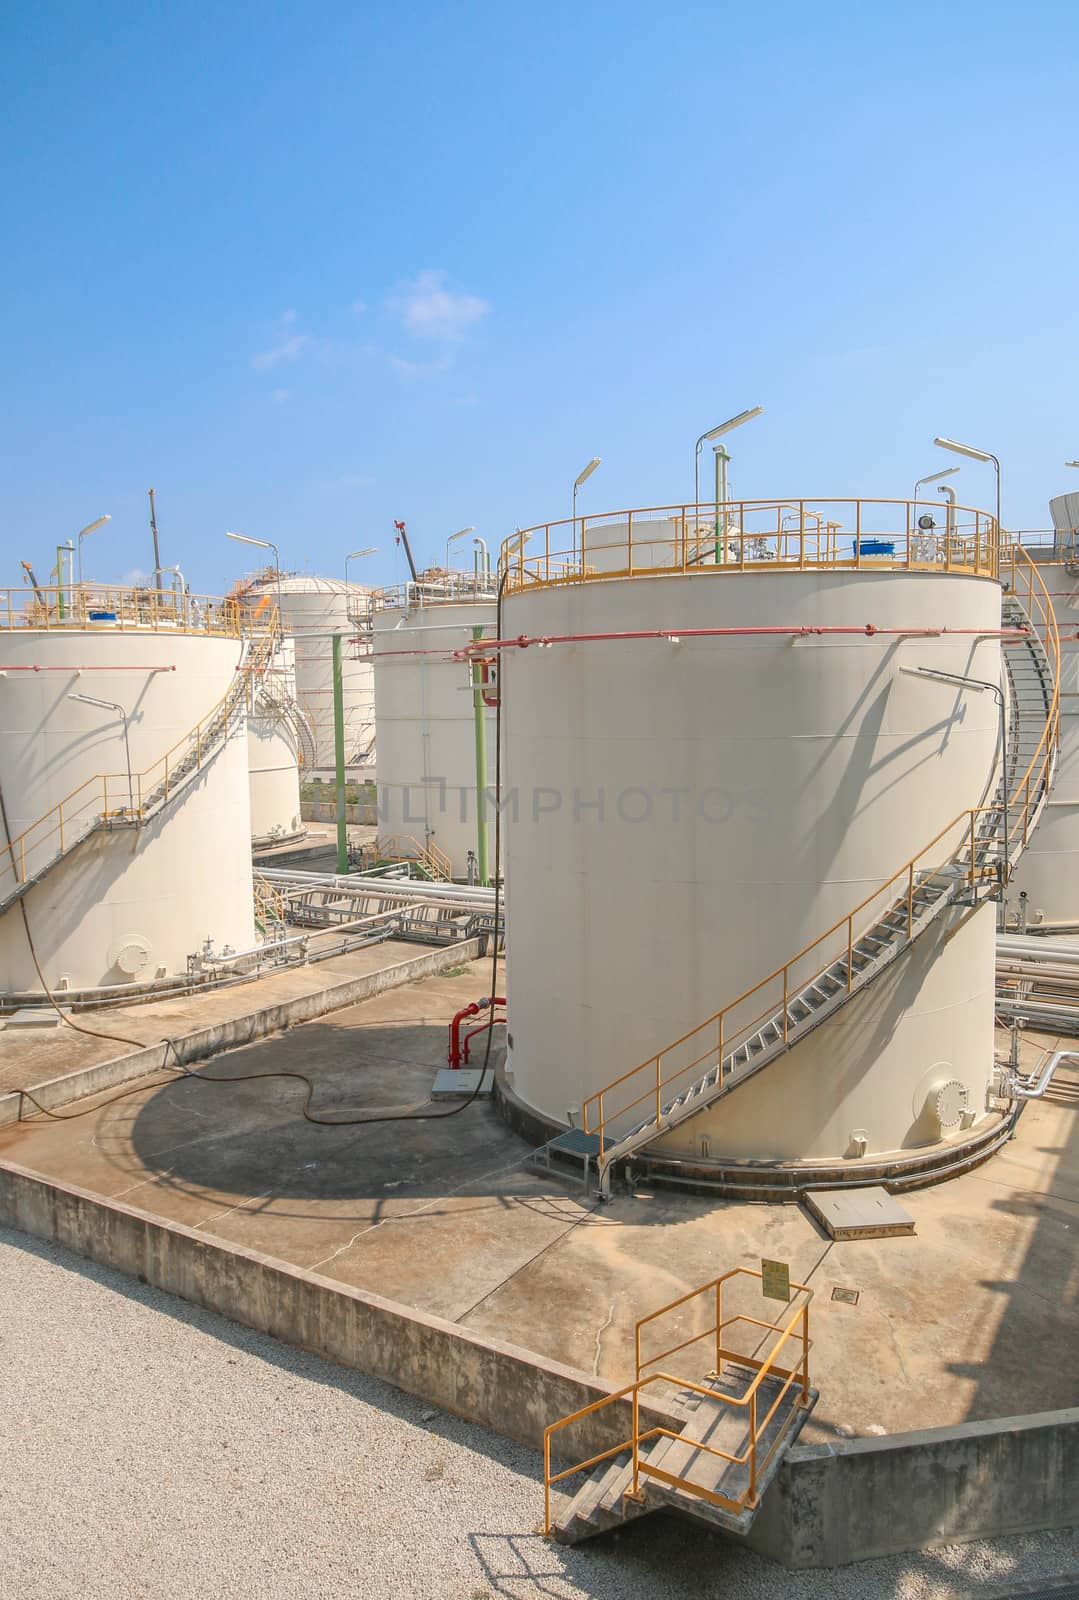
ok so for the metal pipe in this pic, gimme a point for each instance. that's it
(674, 635)
(479, 723)
(339, 755)
(949, 516)
(1033, 1088)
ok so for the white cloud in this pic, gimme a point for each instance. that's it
(417, 369)
(135, 579)
(359, 307)
(431, 311)
(287, 350)
(279, 396)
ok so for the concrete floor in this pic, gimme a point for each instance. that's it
(441, 1215)
(29, 1056)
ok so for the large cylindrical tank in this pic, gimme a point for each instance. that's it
(273, 750)
(680, 818)
(1049, 869)
(125, 904)
(427, 725)
(312, 609)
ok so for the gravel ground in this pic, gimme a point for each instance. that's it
(148, 1448)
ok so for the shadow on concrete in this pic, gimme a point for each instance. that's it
(1035, 1351)
(237, 1129)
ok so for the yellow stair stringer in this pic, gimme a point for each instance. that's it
(961, 860)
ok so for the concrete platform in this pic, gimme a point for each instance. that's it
(440, 1213)
(870, 1213)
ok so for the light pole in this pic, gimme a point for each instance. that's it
(81, 535)
(1071, 463)
(978, 684)
(354, 555)
(975, 455)
(264, 544)
(458, 535)
(582, 477)
(714, 433)
(934, 477)
(111, 705)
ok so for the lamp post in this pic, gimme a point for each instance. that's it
(975, 455)
(81, 535)
(264, 544)
(354, 555)
(934, 477)
(111, 705)
(582, 477)
(714, 433)
(979, 685)
(458, 535)
(1071, 463)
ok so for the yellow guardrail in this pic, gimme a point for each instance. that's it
(107, 606)
(754, 536)
(126, 795)
(792, 1328)
(403, 847)
(650, 1083)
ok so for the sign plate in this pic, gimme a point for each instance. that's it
(776, 1280)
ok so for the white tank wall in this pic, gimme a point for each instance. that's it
(161, 889)
(311, 609)
(1049, 868)
(426, 726)
(272, 751)
(753, 791)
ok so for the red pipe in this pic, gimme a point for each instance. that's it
(124, 668)
(868, 629)
(473, 1010)
(483, 1028)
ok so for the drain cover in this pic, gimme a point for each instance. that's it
(849, 1297)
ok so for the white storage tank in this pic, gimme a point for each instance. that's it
(312, 609)
(682, 815)
(128, 712)
(276, 734)
(425, 709)
(1049, 870)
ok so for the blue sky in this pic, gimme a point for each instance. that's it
(307, 268)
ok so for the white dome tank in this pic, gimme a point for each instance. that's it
(121, 904)
(311, 610)
(682, 815)
(275, 733)
(424, 706)
(1049, 869)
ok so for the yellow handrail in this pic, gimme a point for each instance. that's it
(100, 607)
(650, 1078)
(764, 1368)
(753, 536)
(130, 792)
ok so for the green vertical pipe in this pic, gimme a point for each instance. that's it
(339, 754)
(480, 723)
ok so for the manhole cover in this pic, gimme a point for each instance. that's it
(849, 1297)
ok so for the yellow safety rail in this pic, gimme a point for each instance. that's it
(105, 607)
(753, 536)
(793, 1328)
(645, 1087)
(128, 797)
(403, 847)
(270, 903)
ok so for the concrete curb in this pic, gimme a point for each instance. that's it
(513, 1391)
(236, 1031)
(857, 1499)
